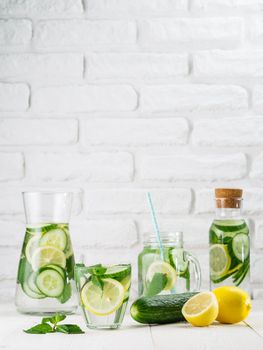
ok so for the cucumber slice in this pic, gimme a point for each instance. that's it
(30, 293)
(31, 282)
(50, 283)
(56, 268)
(56, 238)
(178, 261)
(240, 246)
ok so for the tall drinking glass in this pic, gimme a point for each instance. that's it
(46, 266)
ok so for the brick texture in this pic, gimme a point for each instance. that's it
(200, 33)
(208, 167)
(96, 167)
(136, 65)
(15, 32)
(84, 98)
(41, 66)
(193, 98)
(132, 132)
(111, 99)
(76, 33)
(13, 97)
(38, 132)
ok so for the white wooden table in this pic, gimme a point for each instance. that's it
(133, 336)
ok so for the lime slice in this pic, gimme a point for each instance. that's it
(240, 246)
(47, 255)
(102, 302)
(31, 246)
(166, 269)
(55, 238)
(220, 260)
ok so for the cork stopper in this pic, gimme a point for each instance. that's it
(228, 197)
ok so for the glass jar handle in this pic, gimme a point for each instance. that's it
(197, 270)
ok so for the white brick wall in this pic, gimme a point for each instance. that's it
(193, 98)
(114, 98)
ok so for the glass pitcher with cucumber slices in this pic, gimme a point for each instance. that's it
(229, 252)
(45, 282)
(178, 271)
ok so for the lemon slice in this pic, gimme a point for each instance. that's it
(220, 260)
(32, 244)
(47, 255)
(126, 282)
(201, 310)
(102, 302)
(166, 269)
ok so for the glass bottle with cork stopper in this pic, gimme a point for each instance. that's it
(229, 252)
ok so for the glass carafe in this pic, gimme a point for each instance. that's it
(229, 240)
(45, 283)
(178, 271)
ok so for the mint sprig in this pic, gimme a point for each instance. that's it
(156, 285)
(50, 325)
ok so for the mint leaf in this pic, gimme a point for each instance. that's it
(70, 263)
(57, 318)
(97, 281)
(156, 285)
(45, 327)
(46, 319)
(41, 328)
(65, 296)
(96, 269)
(69, 329)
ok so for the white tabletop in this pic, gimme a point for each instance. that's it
(133, 336)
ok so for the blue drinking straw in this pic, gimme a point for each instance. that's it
(155, 225)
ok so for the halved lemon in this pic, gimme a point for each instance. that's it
(102, 301)
(164, 268)
(201, 310)
(47, 255)
(220, 260)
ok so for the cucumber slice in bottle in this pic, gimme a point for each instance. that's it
(178, 262)
(56, 238)
(30, 293)
(31, 282)
(50, 283)
(240, 246)
(56, 268)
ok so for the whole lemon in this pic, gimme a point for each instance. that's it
(234, 304)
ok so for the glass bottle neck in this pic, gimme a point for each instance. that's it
(228, 213)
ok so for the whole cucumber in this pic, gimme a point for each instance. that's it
(160, 309)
